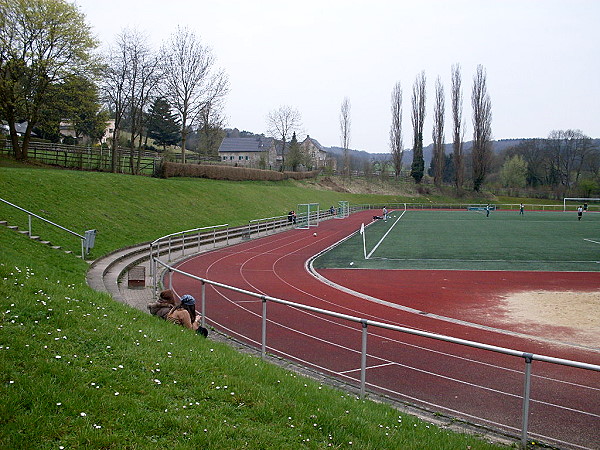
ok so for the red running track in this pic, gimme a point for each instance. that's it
(478, 386)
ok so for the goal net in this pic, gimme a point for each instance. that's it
(307, 215)
(588, 204)
(343, 209)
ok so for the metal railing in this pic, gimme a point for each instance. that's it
(87, 241)
(366, 323)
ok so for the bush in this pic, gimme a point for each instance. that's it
(170, 169)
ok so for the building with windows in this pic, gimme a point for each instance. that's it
(317, 155)
(256, 151)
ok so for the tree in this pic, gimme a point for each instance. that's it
(42, 43)
(281, 124)
(457, 131)
(210, 131)
(482, 128)
(295, 156)
(514, 172)
(569, 150)
(345, 123)
(163, 126)
(191, 79)
(418, 117)
(80, 104)
(438, 133)
(143, 73)
(396, 144)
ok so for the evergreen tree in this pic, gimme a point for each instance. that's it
(295, 157)
(163, 125)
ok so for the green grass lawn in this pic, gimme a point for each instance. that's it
(468, 240)
(79, 370)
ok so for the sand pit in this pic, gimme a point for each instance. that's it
(576, 313)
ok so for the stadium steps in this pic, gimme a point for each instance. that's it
(37, 238)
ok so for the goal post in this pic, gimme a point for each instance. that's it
(307, 215)
(575, 202)
(343, 210)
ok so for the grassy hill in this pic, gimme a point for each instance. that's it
(79, 370)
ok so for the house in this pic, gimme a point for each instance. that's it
(316, 154)
(256, 151)
(67, 128)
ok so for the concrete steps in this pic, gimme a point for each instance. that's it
(36, 238)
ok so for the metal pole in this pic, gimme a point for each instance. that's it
(30, 225)
(203, 304)
(528, 359)
(263, 350)
(170, 279)
(169, 248)
(183, 244)
(363, 359)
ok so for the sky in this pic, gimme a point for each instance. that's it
(541, 57)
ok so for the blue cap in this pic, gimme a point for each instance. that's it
(187, 299)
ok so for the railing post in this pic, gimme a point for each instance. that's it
(227, 234)
(182, 244)
(363, 359)
(203, 304)
(263, 349)
(526, 392)
(170, 278)
(30, 225)
(169, 248)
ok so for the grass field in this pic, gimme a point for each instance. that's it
(468, 240)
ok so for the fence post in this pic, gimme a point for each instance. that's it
(203, 304)
(526, 392)
(263, 349)
(363, 359)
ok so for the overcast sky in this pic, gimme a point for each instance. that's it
(542, 59)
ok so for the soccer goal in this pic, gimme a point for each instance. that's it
(307, 215)
(588, 204)
(343, 210)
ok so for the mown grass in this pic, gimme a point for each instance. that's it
(79, 370)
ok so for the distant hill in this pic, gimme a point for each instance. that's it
(360, 155)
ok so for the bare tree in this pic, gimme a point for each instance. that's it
(396, 144)
(438, 133)
(345, 123)
(191, 79)
(281, 124)
(418, 117)
(457, 130)
(143, 78)
(568, 152)
(482, 128)
(115, 88)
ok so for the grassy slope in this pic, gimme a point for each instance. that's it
(80, 370)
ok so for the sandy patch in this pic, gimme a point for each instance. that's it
(577, 312)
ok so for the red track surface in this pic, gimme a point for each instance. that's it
(481, 387)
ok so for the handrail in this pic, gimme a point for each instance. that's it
(29, 233)
(365, 323)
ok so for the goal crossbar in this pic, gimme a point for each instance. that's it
(578, 199)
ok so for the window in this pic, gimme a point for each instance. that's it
(240, 157)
